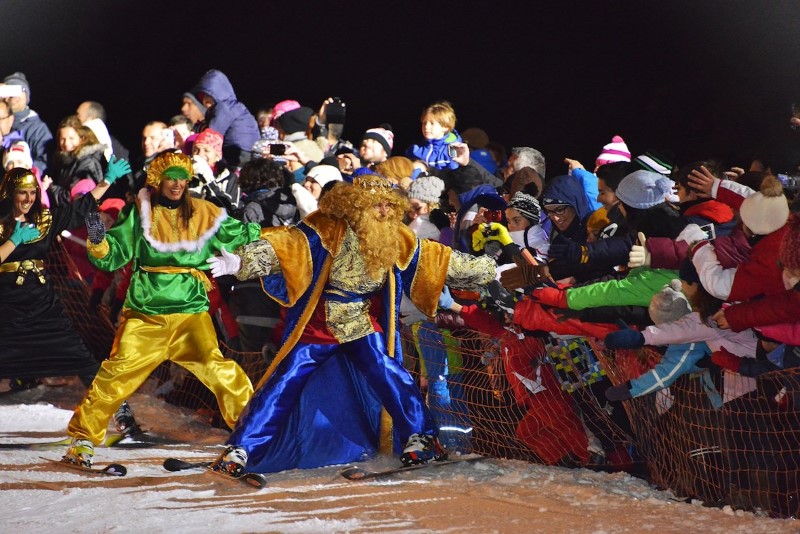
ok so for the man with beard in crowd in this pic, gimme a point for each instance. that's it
(340, 273)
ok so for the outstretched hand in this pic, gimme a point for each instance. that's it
(227, 263)
(116, 169)
(96, 229)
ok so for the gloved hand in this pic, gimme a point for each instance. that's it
(116, 169)
(445, 299)
(724, 359)
(23, 233)
(95, 227)
(202, 170)
(639, 256)
(479, 238)
(550, 296)
(626, 338)
(524, 274)
(691, 234)
(498, 232)
(569, 251)
(619, 393)
(227, 263)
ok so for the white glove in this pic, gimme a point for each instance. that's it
(691, 234)
(226, 264)
(202, 169)
(639, 256)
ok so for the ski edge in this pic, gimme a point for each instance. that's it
(112, 469)
(356, 473)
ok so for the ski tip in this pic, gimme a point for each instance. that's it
(173, 464)
(353, 473)
(255, 479)
(117, 470)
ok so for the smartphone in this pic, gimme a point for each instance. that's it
(277, 149)
(168, 137)
(335, 111)
(710, 232)
(452, 151)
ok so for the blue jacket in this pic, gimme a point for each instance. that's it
(36, 133)
(228, 116)
(590, 189)
(679, 359)
(434, 152)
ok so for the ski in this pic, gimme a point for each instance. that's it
(116, 470)
(354, 472)
(256, 480)
(37, 446)
(140, 440)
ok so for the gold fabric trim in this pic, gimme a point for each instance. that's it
(99, 250)
(258, 259)
(470, 272)
(169, 269)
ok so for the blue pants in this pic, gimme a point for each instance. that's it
(271, 406)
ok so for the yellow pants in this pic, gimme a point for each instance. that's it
(141, 344)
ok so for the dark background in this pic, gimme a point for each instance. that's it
(699, 78)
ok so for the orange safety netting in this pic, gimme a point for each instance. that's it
(541, 399)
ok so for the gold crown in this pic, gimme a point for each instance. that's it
(373, 183)
(164, 162)
(17, 178)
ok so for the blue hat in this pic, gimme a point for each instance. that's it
(644, 189)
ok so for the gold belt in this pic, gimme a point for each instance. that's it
(24, 267)
(168, 269)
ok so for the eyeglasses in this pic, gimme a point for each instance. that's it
(558, 212)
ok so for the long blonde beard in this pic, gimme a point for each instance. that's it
(378, 237)
(378, 242)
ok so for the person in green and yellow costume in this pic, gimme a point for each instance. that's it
(168, 235)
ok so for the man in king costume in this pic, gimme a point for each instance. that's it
(341, 273)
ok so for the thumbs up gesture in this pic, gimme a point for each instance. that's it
(639, 256)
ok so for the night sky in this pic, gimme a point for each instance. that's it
(699, 78)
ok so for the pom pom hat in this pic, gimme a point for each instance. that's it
(669, 304)
(382, 135)
(765, 211)
(614, 151)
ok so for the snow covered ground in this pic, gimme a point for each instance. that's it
(487, 496)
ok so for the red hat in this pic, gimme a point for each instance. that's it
(210, 138)
(112, 206)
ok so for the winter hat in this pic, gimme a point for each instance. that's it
(789, 251)
(295, 120)
(81, 188)
(384, 135)
(191, 96)
(669, 304)
(765, 211)
(112, 206)
(475, 138)
(644, 189)
(19, 78)
(322, 174)
(282, 107)
(655, 162)
(20, 154)
(210, 138)
(427, 189)
(616, 150)
(688, 272)
(527, 206)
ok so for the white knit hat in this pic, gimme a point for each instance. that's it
(765, 211)
(427, 189)
(669, 304)
(614, 151)
(20, 154)
(322, 174)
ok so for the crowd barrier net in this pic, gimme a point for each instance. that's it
(539, 398)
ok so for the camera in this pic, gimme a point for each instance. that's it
(710, 231)
(335, 111)
(277, 149)
(168, 137)
(790, 182)
(493, 216)
(452, 151)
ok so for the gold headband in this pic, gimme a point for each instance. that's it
(165, 162)
(17, 178)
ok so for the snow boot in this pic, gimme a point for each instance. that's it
(232, 461)
(80, 452)
(420, 449)
(124, 420)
